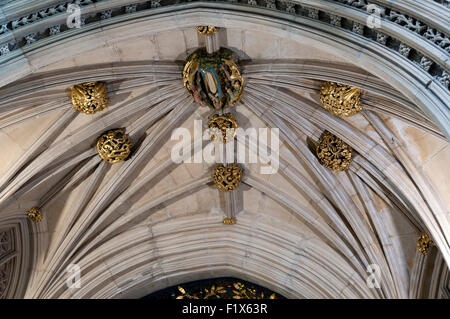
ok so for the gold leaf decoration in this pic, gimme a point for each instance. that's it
(227, 178)
(89, 97)
(35, 214)
(223, 127)
(229, 221)
(213, 80)
(424, 243)
(333, 153)
(243, 292)
(222, 289)
(114, 146)
(340, 99)
(207, 29)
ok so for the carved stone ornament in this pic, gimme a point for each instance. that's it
(222, 127)
(35, 214)
(229, 221)
(428, 31)
(333, 153)
(227, 178)
(207, 29)
(222, 289)
(89, 97)
(214, 80)
(424, 243)
(5, 242)
(340, 99)
(114, 146)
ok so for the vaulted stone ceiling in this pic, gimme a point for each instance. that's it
(148, 223)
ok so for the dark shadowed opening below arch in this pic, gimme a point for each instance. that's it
(215, 288)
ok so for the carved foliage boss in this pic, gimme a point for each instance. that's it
(333, 153)
(229, 221)
(339, 99)
(89, 97)
(34, 214)
(227, 178)
(424, 243)
(114, 146)
(207, 29)
(222, 127)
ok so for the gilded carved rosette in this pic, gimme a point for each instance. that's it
(89, 97)
(222, 127)
(207, 29)
(424, 243)
(114, 146)
(227, 178)
(35, 214)
(339, 99)
(333, 153)
(214, 80)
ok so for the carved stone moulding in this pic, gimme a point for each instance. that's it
(89, 97)
(340, 99)
(223, 127)
(227, 178)
(214, 80)
(207, 29)
(35, 214)
(424, 243)
(229, 221)
(333, 153)
(114, 146)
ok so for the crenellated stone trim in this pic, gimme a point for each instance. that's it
(131, 8)
(55, 30)
(431, 34)
(44, 13)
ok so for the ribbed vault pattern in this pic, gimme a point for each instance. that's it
(148, 223)
(342, 221)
